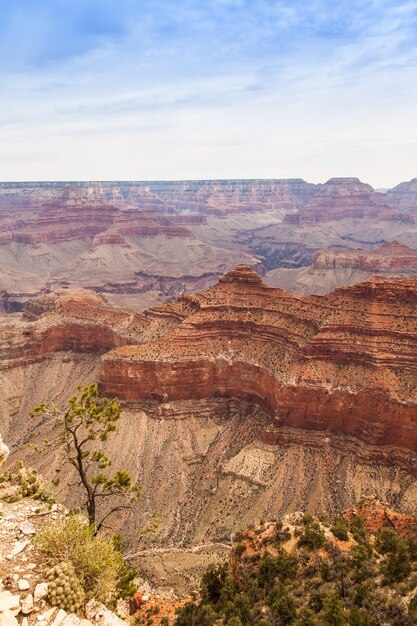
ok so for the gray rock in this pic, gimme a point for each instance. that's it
(110, 619)
(27, 528)
(94, 608)
(27, 604)
(4, 451)
(71, 620)
(8, 619)
(23, 584)
(9, 601)
(47, 615)
(41, 591)
(18, 547)
(59, 618)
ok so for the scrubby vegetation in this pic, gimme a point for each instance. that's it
(70, 545)
(310, 573)
(28, 482)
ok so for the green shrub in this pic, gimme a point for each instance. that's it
(96, 561)
(340, 530)
(359, 617)
(312, 537)
(387, 541)
(29, 484)
(239, 549)
(191, 614)
(306, 617)
(212, 583)
(332, 613)
(358, 530)
(397, 566)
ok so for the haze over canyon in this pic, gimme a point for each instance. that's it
(143, 243)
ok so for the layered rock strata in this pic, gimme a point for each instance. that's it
(342, 198)
(390, 258)
(345, 363)
(334, 268)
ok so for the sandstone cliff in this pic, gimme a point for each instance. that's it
(332, 268)
(345, 363)
(342, 198)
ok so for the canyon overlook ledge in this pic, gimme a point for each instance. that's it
(345, 363)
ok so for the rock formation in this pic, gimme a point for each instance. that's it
(252, 400)
(332, 268)
(390, 258)
(404, 195)
(163, 238)
(345, 363)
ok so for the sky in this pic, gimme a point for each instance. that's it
(184, 89)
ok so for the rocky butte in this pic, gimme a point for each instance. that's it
(345, 363)
(335, 267)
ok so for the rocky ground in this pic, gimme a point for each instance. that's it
(23, 587)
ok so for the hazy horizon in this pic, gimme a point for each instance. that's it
(229, 89)
(190, 180)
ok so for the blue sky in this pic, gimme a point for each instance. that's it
(132, 89)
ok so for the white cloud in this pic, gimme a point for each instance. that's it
(251, 89)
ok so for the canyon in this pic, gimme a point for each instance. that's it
(241, 401)
(143, 243)
(332, 268)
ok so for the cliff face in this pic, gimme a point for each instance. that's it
(163, 238)
(342, 198)
(389, 258)
(217, 197)
(404, 195)
(224, 197)
(239, 402)
(76, 215)
(345, 363)
(333, 268)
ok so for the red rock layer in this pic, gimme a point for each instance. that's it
(389, 258)
(378, 515)
(67, 321)
(77, 215)
(343, 363)
(344, 198)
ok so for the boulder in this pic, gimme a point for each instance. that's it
(8, 619)
(41, 591)
(27, 604)
(9, 601)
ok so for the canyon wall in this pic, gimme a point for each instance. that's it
(163, 238)
(239, 402)
(346, 363)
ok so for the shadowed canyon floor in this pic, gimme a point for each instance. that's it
(241, 402)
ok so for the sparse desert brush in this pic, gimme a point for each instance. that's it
(97, 563)
(28, 482)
